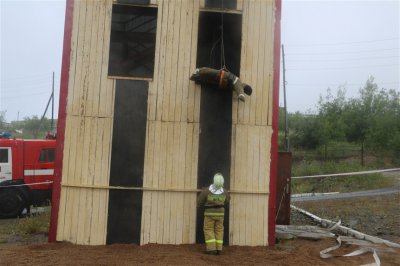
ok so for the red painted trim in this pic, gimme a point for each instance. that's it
(275, 121)
(62, 113)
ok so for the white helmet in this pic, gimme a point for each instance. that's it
(218, 180)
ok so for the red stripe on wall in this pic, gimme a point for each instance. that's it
(275, 121)
(62, 113)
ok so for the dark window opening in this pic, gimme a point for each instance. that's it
(47, 156)
(133, 41)
(209, 42)
(3, 155)
(223, 4)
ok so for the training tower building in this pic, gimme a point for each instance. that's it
(137, 138)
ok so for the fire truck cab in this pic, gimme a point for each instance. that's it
(26, 174)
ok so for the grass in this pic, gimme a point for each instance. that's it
(35, 224)
(336, 184)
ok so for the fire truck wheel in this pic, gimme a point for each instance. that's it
(12, 203)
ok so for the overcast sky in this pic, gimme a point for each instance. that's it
(327, 44)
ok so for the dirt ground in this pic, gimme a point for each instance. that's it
(377, 216)
(289, 252)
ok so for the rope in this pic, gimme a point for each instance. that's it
(29, 184)
(280, 203)
(156, 189)
(223, 63)
(346, 174)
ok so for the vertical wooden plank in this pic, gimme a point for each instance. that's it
(186, 67)
(263, 159)
(77, 217)
(168, 61)
(161, 51)
(244, 58)
(194, 90)
(243, 183)
(173, 180)
(90, 176)
(187, 182)
(105, 179)
(268, 64)
(69, 177)
(79, 61)
(260, 84)
(251, 58)
(156, 175)
(153, 86)
(74, 56)
(69, 193)
(202, 3)
(92, 76)
(178, 99)
(257, 46)
(95, 89)
(106, 94)
(75, 88)
(181, 162)
(232, 183)
(84, 88)
(193, 182)
(96, 208)
(79, 213)
(176, 63)
(239, 5)
(255, 187)
(169, 208)
(84, 212)
(162, 182)
(75, 202)
(271, 59)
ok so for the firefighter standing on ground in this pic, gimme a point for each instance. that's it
(214, 199)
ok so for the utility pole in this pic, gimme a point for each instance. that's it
(287, 143)
(52, 103)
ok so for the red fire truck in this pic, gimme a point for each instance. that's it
(26, 174)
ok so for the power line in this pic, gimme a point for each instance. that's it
(28, 77)
(348, 52)
(341, 68)
(341, 60)
(341, 43)
(330, 84)
(25, 95)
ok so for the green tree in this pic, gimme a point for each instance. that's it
(35, 127)
(2, 120)
(305, 130)
(374, 118)
(330, 115)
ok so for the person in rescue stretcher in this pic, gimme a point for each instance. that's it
(223, 78)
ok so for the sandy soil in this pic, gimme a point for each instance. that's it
(289, 252)
(377, 216)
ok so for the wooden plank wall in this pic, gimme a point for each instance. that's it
(171, 154)
(172, 133)
(83, 211)
(252, 128)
